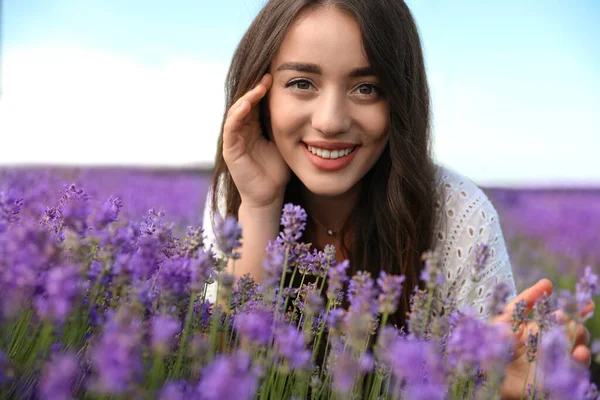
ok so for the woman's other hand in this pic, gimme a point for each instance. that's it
(516, 370)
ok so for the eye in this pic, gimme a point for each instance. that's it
(368, 89)
(300, 84)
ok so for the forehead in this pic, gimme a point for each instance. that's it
(325, 36)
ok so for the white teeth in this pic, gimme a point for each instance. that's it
(332, 155)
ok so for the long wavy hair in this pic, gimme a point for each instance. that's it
(395, 214)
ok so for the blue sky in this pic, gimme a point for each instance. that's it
(515, 84)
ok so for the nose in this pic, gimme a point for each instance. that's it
(330, 115)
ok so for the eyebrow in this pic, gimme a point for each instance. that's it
(310, 68)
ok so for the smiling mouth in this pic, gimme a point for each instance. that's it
(327, 154)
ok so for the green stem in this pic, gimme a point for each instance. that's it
(376, 387)
(41, 345)
(536, 365)
(324, 357)
(18, 332)
(526, 379)
(157, 372)
(321, 329)
(287, 298)
(283, 272)
(298, 294)
(184, 337)
(384, 318)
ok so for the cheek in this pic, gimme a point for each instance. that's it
(375, 123)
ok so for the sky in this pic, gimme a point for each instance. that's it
(515, 84)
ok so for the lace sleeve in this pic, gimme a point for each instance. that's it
(209, 238)
(470, 218)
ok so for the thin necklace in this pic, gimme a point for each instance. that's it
(330, 232)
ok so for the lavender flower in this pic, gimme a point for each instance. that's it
(293, 219)
(498, 299)
(531, 343)
(162, 234)
(335, 320)
(202, 313)
(431, 274)
(482, 253)
(564, 378)
(60, 288)
(591, 392)
(390, 290)
(10, 207)
(245, 289)
(420, 365)
(179, 390)
(255, 327)
(595, 348)
(273, 264)
(291, 347)
(587, 288)
(518, 315)
(107, 213)
(360, 319)
(202, 269)
(418, 318)
(58, 380)
(146, 260)
(227, 235)
(173, 279)
(542, 312)
(116, 358)
(164, 330)
(75, 214)
(313, 304)
(568, 303)
(474, 345)
(228, 378)
(536, 393)
(346, 370)
(193, 242)
(336, 278)
(3, 372)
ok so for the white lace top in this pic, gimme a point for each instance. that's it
(470, 218)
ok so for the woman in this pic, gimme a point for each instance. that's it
(328, 107)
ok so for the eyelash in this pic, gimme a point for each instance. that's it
(376, 88)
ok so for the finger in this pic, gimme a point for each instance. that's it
(530, 296)
(583, 355)
(590, 307)
(582, 337)
(234, 123)
(560, 317)
(254, 95)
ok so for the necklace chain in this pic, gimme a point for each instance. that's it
(330, 232)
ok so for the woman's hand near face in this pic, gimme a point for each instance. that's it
(256, 166)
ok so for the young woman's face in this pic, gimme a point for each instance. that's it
(324, 91)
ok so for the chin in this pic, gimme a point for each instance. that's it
(325, 188)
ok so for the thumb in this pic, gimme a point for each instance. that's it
(529, 296)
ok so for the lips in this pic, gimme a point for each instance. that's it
(331, 145)
(326, 164)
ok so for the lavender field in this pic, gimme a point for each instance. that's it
(550, 233)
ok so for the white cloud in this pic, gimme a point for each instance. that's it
(64, 105)
(517, 131)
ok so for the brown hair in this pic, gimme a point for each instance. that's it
(395, 214)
